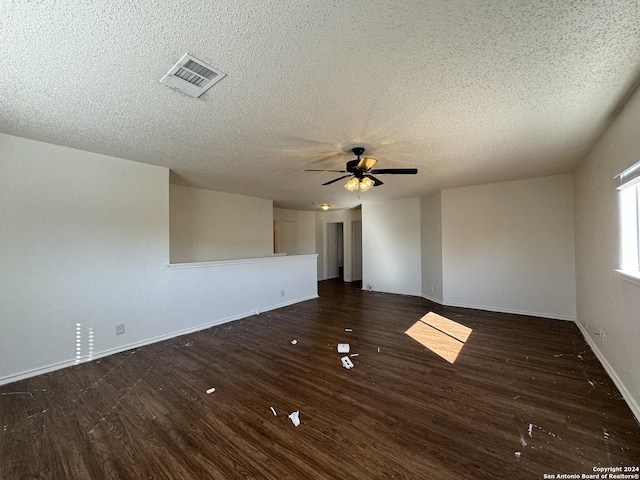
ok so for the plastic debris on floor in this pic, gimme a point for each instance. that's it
(346, 362)
(295, 418)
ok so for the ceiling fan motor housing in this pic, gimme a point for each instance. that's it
(352, 164)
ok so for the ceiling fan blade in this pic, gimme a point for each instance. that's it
(366, 164)
(337, 171)
(395, 171)
(376, 182)
(335, 180)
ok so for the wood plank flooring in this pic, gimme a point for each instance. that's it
(524, 397)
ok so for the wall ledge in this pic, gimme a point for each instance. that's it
(631, 277)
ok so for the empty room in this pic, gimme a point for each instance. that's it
(333, 240)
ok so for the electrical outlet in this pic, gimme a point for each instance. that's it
(432, 288)
(282, 293)
(120, 329)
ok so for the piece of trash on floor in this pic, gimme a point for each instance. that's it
(354, 355)
(531, 429)
(343, 348)
(346, 362)
(295, 418)
(293, 342)
(210, 391)
(348, 330)
(378, 349)
(518, 454)
(274, 411)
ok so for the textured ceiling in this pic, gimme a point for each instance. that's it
(469, 92)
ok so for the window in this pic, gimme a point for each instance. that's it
(630, 221)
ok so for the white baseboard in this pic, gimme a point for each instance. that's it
(392, 292)
(482, 307)
(500, 310)
(514, 311)
(75, 361)
(432, 299)
(633, 404)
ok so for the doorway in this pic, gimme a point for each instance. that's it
(356, 250)
(334, 265)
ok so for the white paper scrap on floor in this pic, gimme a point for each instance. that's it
(295, 418)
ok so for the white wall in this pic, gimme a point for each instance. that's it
(306, 223)
(431, 241)
(391, 248)
(604, 300)
(209, 293)
(84, 239)
(285, 214)
(207, 225)
(307, 232)
(346, 217)
(510, 247)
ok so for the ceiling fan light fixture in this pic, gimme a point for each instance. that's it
(361, 173)
(352, 185)
(366, 183)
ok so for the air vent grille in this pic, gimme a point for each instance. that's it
(192, 76)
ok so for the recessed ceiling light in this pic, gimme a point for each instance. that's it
(323, 206)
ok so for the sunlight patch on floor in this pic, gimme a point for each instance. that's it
(442, 336)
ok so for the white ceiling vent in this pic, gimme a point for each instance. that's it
(192, 76)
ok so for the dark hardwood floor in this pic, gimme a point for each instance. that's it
(525, 397)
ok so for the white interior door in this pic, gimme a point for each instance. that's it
(290, 237)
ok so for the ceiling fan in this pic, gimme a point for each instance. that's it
(360, 169)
